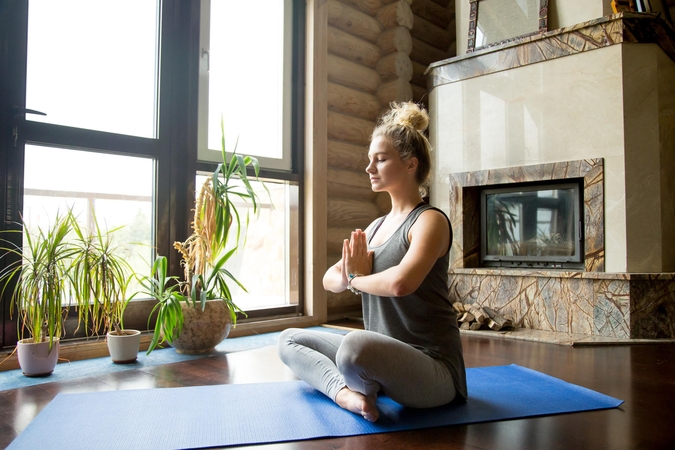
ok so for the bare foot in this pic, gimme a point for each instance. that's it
(358, 404)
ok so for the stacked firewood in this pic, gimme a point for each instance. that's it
(476, 317)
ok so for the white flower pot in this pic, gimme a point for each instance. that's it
(35, 359)
(124, 347)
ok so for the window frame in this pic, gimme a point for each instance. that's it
(174, 149)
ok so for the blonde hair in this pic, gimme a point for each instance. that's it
(403, 125)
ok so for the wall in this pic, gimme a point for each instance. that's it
(377, 52)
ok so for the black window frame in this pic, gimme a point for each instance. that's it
(174, 149)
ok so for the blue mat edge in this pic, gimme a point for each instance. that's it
(377, 429)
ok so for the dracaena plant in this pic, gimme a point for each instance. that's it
(218, 227)
(39, 272)
(101, 277)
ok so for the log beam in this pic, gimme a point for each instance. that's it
(432, 34)
(396, 14)
(353, 48)
(351, 213)
(395, 65)
(370, 7)
(351, 74)
(348, 184)
(433, 12)
(395, 39)
(343, 155)
(353, 21)
(397, 90)
(418, 77)
(353, 102)
(426, 54)
(351, 129)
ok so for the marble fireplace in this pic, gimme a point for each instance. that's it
(594, 102)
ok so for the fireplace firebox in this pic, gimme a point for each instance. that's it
(533, 225)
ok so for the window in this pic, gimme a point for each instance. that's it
(246, 86)
(122, 126)
(246, 99)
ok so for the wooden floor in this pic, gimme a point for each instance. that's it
(642, 375)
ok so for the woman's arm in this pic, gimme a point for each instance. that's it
(334, 279)
(429, 240)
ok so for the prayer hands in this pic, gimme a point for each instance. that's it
(356, 258)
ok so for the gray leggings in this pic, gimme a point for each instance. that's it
(366, 362)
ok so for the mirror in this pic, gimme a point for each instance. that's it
(493, 22)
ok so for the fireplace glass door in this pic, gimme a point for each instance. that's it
(532, 226)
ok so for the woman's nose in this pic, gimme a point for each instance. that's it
(370, 167)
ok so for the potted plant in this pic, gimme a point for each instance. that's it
(101, 277)
(39, 276)
(197, 315)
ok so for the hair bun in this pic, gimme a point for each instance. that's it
(409, 114)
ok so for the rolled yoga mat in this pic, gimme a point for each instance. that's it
(247, 414)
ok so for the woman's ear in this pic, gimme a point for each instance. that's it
(412, 164)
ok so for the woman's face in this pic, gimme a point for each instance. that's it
(386, 169)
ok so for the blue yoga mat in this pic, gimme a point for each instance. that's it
(247, 414)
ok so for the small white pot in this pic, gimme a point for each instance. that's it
(35, 359)
(124, 347)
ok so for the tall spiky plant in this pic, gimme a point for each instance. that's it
(40, 275)
(217, 228)
(101, 276)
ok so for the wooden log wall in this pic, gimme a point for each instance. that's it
(433, 39)
(377, 53)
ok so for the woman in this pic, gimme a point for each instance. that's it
(410, 348)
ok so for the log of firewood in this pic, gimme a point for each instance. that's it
(459, 307)
(353, 21)
(353, 48)
(351, 74)
(353, 102)
(466, 317)
(433, 12)
(475, 326)
(343, 155)
(395, 65)
(348, 128)
(396, 14)
(497, 321)
(432, 34)
(395, 39)
(479, 315)
(397, 90)
(465, 326)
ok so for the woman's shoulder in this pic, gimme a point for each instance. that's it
(433, 224)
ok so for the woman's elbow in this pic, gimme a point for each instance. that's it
(402, 287)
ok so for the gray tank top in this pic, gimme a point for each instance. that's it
(424, 319)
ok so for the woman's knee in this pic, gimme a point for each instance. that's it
(285, 342)
(356, 350)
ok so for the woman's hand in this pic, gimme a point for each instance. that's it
(356, 258)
